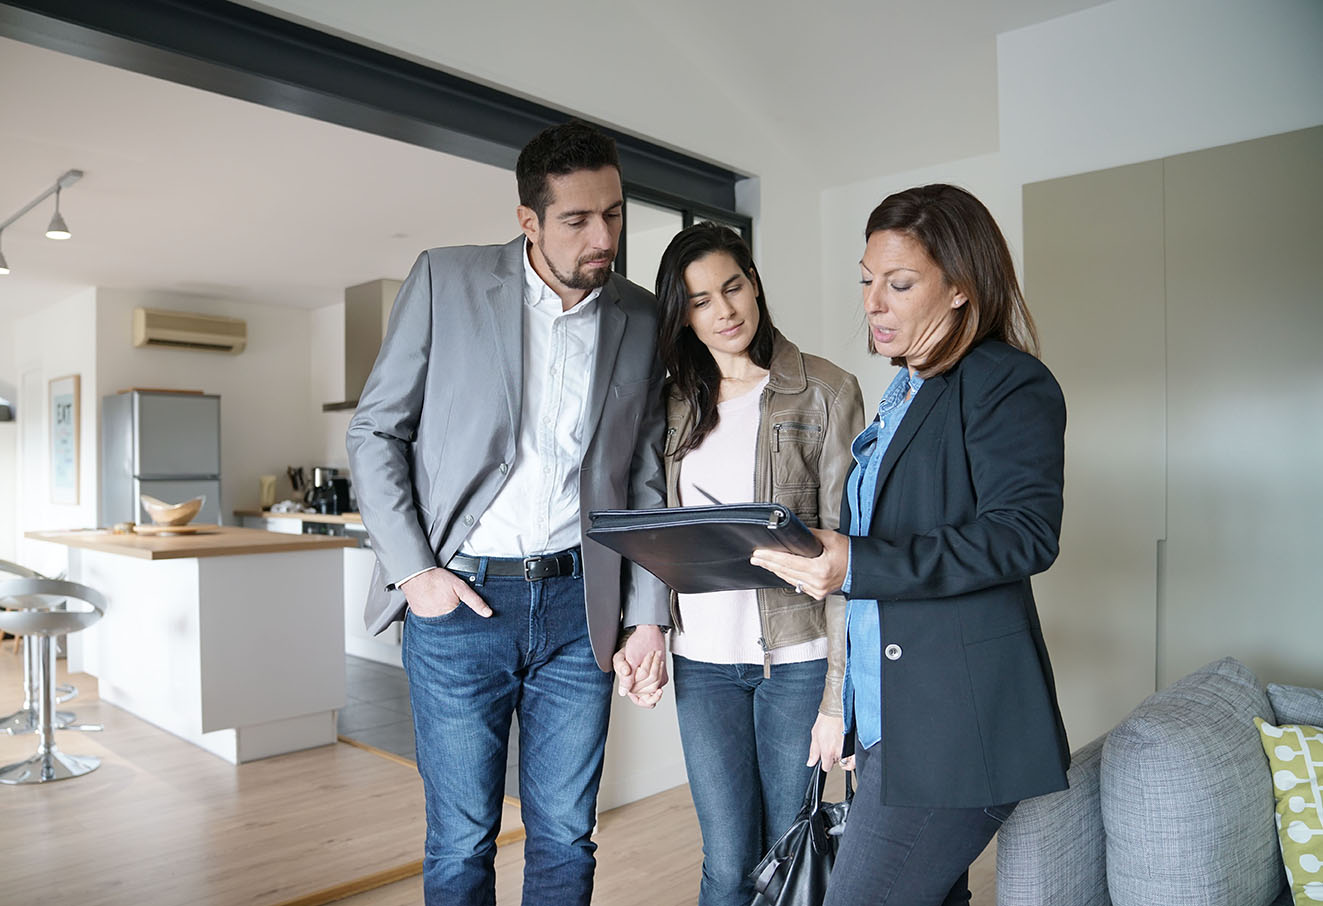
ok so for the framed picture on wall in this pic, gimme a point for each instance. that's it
(64, 439)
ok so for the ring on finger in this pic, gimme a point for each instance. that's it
(799, 588)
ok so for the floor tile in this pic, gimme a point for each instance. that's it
(377, 707)
(380, 688)
(395, 737)
(357, 717)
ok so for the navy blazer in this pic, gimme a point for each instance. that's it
(969, 507)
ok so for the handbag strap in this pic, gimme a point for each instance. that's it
(813, 795)
(818, 785)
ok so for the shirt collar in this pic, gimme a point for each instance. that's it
(900, 384)
(538, 294)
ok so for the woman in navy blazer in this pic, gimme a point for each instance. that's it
(954, 502)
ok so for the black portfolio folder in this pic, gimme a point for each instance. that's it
(696, 549)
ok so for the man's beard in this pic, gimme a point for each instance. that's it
(581, 278)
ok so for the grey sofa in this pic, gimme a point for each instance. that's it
(1172, 807)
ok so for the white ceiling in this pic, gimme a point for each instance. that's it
(192, 192)
(833, 91)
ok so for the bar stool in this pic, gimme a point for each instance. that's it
(24, 720)
(43, 616)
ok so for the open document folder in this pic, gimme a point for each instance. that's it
(696, 549)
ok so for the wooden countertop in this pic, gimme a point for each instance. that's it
(226, 541)
(342, 519)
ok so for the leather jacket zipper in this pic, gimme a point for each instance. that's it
(795, 426)
(767, 658)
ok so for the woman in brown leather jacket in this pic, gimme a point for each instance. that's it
(757, 673)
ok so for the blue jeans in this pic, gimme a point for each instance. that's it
(745, 741)
(906, 856)
(467, 675)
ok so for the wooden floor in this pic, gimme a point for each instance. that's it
(162, 821)
(649, 854)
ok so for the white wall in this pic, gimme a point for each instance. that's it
(1136, 80)
(53, 342)
(266, 421)
(326, 377)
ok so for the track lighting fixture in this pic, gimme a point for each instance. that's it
(58, 229)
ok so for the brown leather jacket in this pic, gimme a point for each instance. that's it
(810, 412)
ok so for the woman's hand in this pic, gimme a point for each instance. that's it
(815, 576)
(640, 667)
(826, 740)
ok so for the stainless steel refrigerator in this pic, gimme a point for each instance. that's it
(166, 445)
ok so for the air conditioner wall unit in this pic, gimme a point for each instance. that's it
(185, 330)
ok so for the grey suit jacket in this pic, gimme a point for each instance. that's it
(437, 427)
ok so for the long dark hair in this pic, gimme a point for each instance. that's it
(963, 239)
(692, 372)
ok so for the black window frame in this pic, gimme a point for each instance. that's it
(690, 213)
(254, 56)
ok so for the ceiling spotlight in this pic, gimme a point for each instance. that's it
(58, 228)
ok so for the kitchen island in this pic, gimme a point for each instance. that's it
(383, 647)
(231, 639)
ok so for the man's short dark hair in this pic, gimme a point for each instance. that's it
(556, 151)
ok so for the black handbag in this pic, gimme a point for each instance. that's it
(795, 870)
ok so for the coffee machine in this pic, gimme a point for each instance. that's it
(329, 492)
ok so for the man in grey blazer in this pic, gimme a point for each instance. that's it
(517, 389)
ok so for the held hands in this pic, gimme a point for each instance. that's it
(436, 592)
(641, 666)
(815, 576)
(826, 740)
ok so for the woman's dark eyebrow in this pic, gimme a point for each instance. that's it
(729, 280)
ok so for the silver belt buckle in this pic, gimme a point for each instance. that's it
(528, 567)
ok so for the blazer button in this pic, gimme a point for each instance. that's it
(468, 520)
(893, 652)
(505, 467)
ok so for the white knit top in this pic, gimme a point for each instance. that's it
(722, 627)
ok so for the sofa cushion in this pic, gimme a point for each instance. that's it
(1296, 704)
(1051, 851)
(1295, 753)
(1186, 803)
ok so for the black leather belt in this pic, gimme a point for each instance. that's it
(530, 569)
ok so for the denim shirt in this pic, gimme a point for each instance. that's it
(862, 692)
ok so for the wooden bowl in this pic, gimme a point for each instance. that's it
(163, 513)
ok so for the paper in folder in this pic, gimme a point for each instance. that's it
(696, 549)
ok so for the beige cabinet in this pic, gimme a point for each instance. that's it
(1179, 307)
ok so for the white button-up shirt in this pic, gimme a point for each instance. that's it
(537, 509)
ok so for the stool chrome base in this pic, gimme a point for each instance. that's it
(24, 721)
(48, 766)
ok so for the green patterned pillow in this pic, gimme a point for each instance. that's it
(1295, 752)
